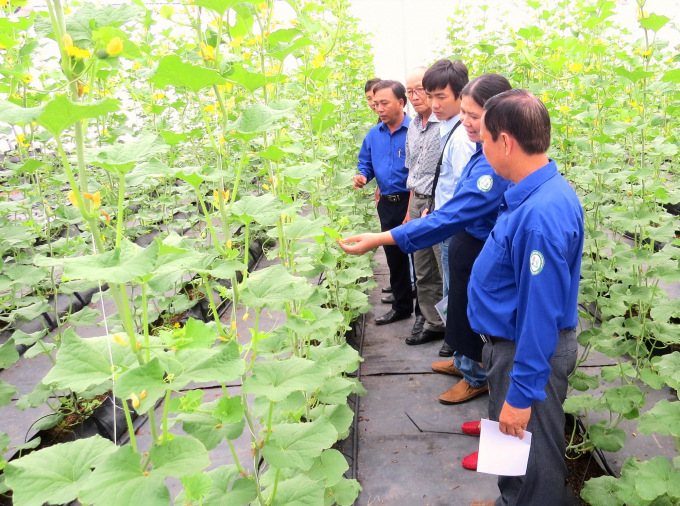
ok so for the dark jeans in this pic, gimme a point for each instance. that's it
(545, 481)
(463, 251)
(392, 215)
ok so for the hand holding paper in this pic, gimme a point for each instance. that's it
(502, 454)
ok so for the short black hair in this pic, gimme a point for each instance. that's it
(446, 73)
(370, 84)
(396, 87)
(522, 115)
(483, 87)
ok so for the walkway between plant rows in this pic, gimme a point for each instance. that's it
(410, 445)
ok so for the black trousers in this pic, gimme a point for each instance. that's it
(463, 251)
(392, 215)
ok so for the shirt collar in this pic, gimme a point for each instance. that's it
(418, 121)
(433, 118)
(404, 124)
(518, 193)
(446, 127)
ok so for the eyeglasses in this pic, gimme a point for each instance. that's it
(419, 91)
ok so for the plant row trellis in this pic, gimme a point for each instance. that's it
(614, 100)
(154, 155)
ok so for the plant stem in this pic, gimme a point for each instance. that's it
(131, 428)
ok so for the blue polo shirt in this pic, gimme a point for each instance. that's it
(524, 284)
(382, 156)
(473, 207)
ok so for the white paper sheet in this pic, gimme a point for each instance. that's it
(442, 308)
(502, 454)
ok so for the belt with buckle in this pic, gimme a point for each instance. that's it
(395, 197)
(494, 339)
(421, 196)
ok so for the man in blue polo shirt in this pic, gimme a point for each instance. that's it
(523, 294)
(382, 156)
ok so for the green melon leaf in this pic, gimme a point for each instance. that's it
(120, 480)
(178, 457)
(229, 489)
(8, 354)
(276, 380)
(607, 438)
(222, 6)
(330, 466)
(274, 285)
(654, 22)
(299, 491)
(60, 113)
(16, 115)
(147, 377)
(343, 493)
(601, 492)
(85, 363)
(207, 429)
(663, 418)
(56, 474)
(172, 71)
(7, 391)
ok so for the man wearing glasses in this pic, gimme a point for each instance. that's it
(423, 149)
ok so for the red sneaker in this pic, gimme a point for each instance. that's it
(470, 462)
(472, 428)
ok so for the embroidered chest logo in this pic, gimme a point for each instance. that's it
(485, 183)
(536, 262)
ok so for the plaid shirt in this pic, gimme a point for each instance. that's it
(423, 148)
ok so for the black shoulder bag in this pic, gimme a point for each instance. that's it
(437, 171)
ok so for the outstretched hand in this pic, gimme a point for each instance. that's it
(360, 244)
(359, 181)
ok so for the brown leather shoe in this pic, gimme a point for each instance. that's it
(446, 367)
(482, 503)
(461, 392)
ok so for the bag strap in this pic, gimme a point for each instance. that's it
(438, 170)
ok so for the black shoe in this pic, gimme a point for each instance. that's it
(387, 290)
(388, 300)
(446, 351)
(424, 337)
(391, 317)
(418, 325)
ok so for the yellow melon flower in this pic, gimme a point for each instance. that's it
(207, 52)
(21, 139)
(134, 399)
(72, 198)
(318, 61)
(79, 54)
(119, 340)
(67, 40)
(114, 46)
(96, 199)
